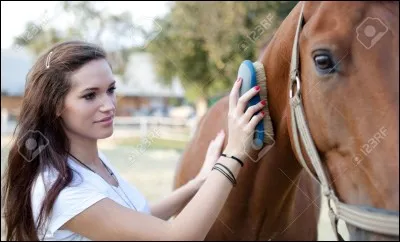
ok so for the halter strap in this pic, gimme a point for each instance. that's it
(375, 220)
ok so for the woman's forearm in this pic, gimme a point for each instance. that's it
(177, 200)
(198, 216)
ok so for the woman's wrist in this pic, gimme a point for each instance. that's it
(198, 181)
(238, 153)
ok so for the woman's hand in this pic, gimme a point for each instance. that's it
(241, 123)
(213, 153)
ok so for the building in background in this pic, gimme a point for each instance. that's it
(143, 93)
(140, 95)
(14, 67)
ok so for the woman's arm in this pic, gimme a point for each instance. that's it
(175, 202)
(108, 220)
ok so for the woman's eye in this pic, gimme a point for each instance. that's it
(89, 96)
(112, 89)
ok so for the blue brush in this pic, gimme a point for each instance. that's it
(253, 74)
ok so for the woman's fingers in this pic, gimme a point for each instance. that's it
(252, 110)
(234, 95)
(217, 143)
(220, 138)
(254, 121)
(244, 99)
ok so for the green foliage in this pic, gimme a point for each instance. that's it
(203, 43)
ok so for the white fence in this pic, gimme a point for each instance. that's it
(150, 120)
(166, 128)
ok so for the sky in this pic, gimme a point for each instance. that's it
(14, 15)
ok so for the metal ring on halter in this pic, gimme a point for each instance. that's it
(297, 80)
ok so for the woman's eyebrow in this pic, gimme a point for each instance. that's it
(96, 88)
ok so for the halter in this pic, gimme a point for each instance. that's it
(367, 218)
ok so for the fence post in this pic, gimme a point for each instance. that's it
(143, 127)
(4, 120)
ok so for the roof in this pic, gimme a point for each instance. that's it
(15, 65)
(143, 81)
(141, 76)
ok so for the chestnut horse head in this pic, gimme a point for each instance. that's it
(342, 107)
(342, 116)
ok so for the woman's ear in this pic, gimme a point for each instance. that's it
(59, 110)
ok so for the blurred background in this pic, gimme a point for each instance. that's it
(172, 61)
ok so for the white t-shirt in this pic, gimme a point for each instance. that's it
(85, 190)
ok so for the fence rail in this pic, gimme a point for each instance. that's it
(152, 120)
(164, 127)
(139, 126)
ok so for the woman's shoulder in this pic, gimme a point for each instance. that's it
(82, 183)
(81, 193)
(81, 179)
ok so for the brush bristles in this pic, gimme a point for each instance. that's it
(262, 82)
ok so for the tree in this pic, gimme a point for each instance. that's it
(92, 24)
(203, 43)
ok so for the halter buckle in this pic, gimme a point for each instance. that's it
(297, 81)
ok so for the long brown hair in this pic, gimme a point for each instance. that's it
(40, 141)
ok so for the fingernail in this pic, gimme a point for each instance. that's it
(239, 79)
(257, 88)
(263, 102)
(262, 113)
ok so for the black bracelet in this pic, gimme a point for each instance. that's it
(235, 158)
(227, 169)
(225, 174)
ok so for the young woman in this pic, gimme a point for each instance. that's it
(59, 186)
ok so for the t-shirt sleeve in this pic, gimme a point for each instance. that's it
(71, 201)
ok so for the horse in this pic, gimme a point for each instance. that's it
(332, 80)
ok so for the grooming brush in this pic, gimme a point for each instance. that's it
(253, 74)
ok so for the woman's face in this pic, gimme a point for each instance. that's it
(89, 107)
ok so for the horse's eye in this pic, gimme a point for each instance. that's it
(323, 62)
